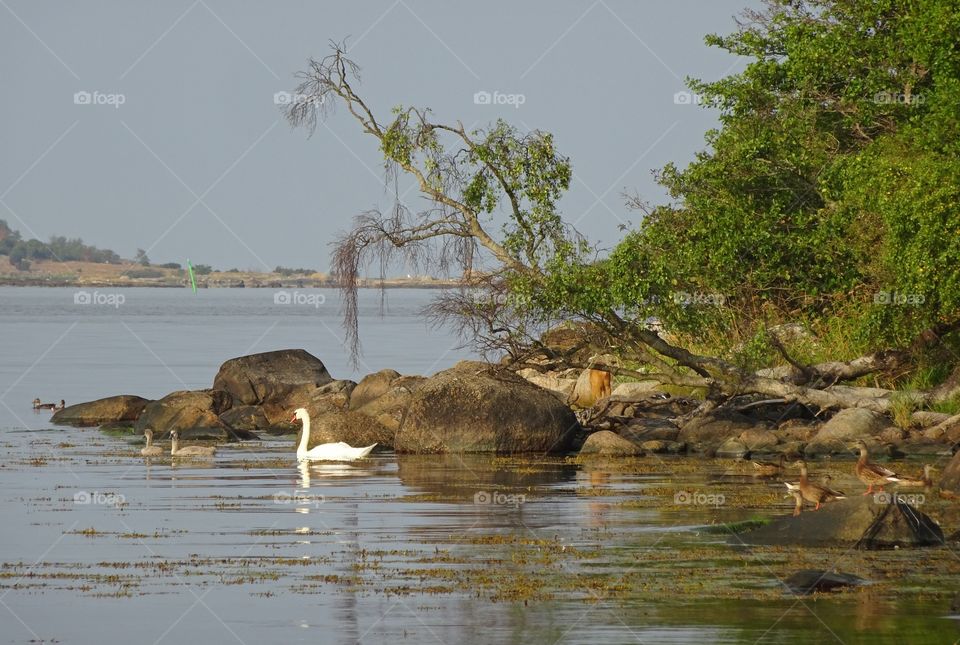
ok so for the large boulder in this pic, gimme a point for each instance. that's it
(389, 408)
(878, 521)
(950, 479)
(635, 390)
(332, 397)
(246, 417)
(558, 386)
(845, 427)
(584, 394)
(195, 413)
(609, 444)
(732, 448)
(711, 431)
(758, 439)
(371, 387)
(352, 427)
(271, 377)
(125, 407)
(335, 396)
(471, 408)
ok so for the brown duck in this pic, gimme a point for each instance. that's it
(811, 492)
(795, 494)
(925, 480)
(768, 468)
(870, 473)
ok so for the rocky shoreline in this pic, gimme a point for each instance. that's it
(476, 407)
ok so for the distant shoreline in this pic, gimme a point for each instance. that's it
(282, 284)
(48, 273)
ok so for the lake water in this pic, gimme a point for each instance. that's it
(97, 546)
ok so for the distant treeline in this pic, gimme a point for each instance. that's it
(20, 251)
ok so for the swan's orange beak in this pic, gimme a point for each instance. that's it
(293, 419)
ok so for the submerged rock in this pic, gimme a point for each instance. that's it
(471, 408)
(124, 407)
(810, 581)
(609, 444)
(271, 377)
(878, 521)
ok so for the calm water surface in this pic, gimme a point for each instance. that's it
(97, 545)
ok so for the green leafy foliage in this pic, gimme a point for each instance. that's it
(830, 190)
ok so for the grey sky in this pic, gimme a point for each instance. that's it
(198, 118)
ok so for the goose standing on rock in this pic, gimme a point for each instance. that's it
(339, 451)
(813, 492)
(870, 473)
(150, 450)
(188, 451)
(798, 497)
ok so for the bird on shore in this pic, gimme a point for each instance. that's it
(924, 481)
(60, 405)
(150, 450)
(339, 451)
(815, 493)
(768, 468)
(798, 496)
(870, 473)
(188, 451)
(38, 405)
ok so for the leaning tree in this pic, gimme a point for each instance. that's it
(492, 196)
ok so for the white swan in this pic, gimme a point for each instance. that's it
(339, 451)
(188, 451)
(150, 450)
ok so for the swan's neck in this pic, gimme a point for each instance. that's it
(305, 436)
(173, 444)
(149, 440)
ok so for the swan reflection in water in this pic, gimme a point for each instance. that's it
(345, 530)
(320, 470)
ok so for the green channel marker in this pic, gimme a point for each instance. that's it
(193, 280)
